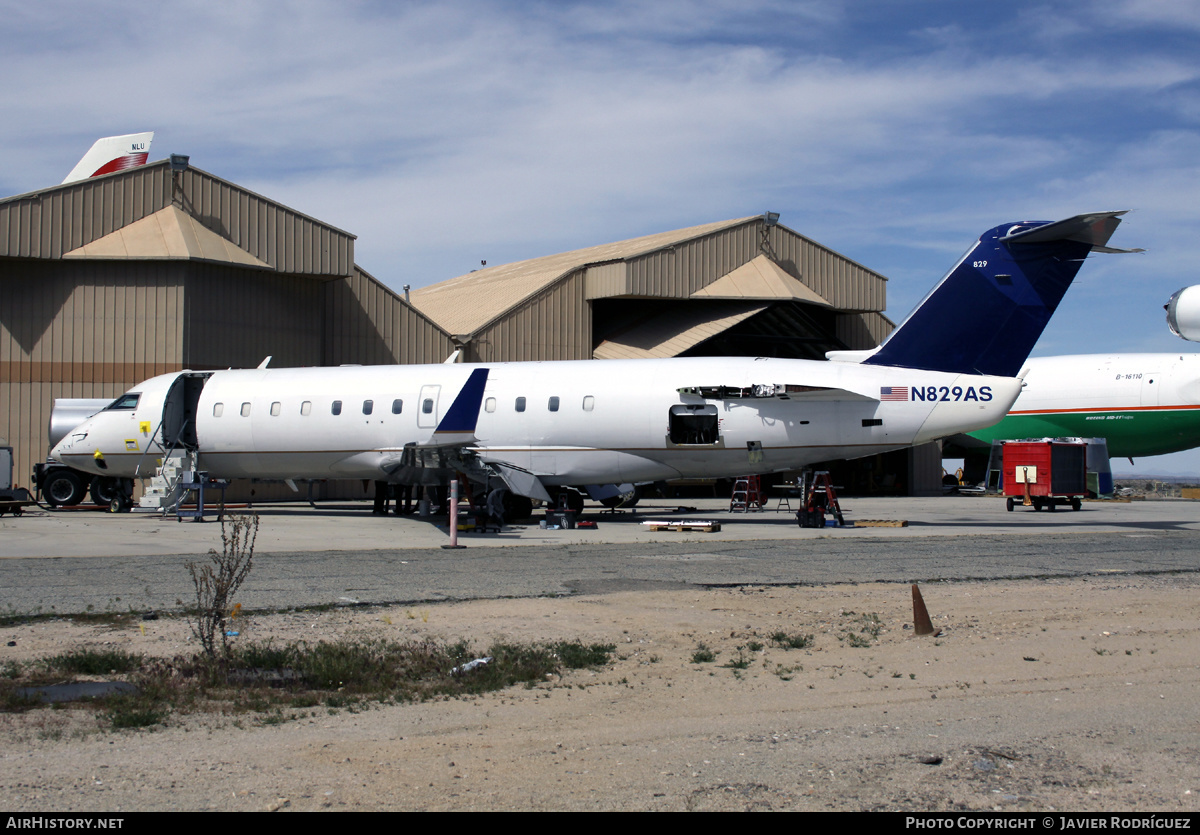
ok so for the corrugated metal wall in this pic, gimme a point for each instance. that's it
(367, 323)
(48, 223)
(681, 270)
(553, 325)
(236, 318)
(860, 331)
(843, 283)
(80, 329)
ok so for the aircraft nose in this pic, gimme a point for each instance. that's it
(64, 447)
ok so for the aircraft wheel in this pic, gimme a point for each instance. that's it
(1010, 503)
(629, 499)
(573, 497)
(103, 489)
(63, 488)
(517, 507)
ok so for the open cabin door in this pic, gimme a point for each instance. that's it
(179, 411)
(694, 425)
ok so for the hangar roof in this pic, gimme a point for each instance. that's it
(760, 278)
(169, 233)
(67, 219)
(466, 303)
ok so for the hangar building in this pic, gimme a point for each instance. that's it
(745, 287)
(108, 281)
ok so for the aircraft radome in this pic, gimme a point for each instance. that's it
(539, 425)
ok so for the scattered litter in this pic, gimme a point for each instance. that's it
(471, 665)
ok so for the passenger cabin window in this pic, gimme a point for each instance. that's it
(306, 407)
(245, 410)
(397, 406)
(218, 409)
(368, 406)
(553, 404)
(489, 405)
(427, 405)
(275, 409)
(336, 408)
(694, 425)
(520, 404)
(125, 402)
(589, 403)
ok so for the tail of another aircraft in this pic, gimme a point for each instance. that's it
(986, 314)
(113, 153)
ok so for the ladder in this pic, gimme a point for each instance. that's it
(747, 495)
(819, 497)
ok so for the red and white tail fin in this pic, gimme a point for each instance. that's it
(113, 153)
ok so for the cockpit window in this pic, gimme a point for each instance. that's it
(126, 402)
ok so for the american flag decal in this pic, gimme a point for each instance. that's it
(893, 393)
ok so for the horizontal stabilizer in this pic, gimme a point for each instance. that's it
(986, 315)
(1092, 229)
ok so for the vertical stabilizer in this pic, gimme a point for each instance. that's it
(986, 315)
(112, 153)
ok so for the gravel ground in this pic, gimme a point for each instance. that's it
(1057, 694)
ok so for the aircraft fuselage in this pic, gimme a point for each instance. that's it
(587, 422)
(1143, 404)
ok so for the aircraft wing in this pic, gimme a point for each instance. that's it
(434, 460)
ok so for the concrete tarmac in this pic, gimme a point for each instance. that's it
(74, 561)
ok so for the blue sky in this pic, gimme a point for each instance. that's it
(443, 134)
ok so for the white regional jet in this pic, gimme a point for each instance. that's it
(539, 425)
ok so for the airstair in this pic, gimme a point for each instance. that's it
(166, 488)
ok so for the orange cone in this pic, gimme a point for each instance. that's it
(922, 625)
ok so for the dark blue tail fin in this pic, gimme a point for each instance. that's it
(986, 314)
